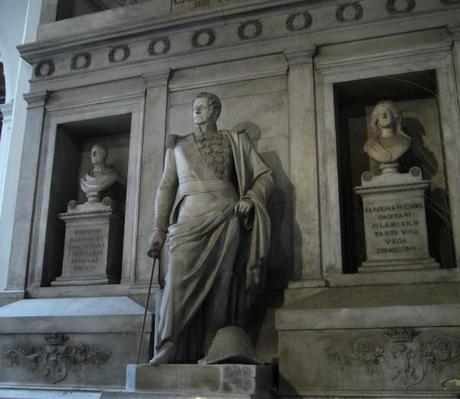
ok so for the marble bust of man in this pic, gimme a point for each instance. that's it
(210, 209)
(100, 177)
(389, 142)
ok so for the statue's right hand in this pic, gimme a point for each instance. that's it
(157, 240)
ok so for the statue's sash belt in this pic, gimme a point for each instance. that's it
(205, 186)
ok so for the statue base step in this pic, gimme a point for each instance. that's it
(191, 381)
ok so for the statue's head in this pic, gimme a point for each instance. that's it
(386, 114)
(206, 107)
(98, 154)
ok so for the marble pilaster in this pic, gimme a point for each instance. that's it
(303, 168)
(152, 164)
(26, 190)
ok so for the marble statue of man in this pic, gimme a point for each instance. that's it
(210, 208)
(389, 142)
(100, 177)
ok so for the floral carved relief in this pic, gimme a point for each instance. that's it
(55, 359)
(408, 357)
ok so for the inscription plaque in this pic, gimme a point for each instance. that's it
(92, 245)
(86, 247)
(395, 222)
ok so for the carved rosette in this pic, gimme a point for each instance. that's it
(203, 38)
(400, 350)
(394, 8)
(250, 30)
(80, 61)
(350, 12)
(55, 359)
(44, 68)
(298, 22)
(119, 53)
(159, 46)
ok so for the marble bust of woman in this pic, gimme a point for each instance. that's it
(100, 177)
(389, 142)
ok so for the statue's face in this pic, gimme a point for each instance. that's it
(97, 154)
(202, 111)
(385, 118)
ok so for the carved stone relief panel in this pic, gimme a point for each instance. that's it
(56, 357)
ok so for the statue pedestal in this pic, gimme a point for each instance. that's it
(92, 244)
(192, 381)
(395, 222)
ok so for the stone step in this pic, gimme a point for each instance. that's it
(187, 381)
(163, 395)
(42, 393)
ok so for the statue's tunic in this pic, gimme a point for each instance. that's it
(203, 246)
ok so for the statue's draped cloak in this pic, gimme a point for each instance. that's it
(204, 248)
(92, 184)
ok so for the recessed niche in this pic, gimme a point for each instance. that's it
(72, 161)
(416, 96)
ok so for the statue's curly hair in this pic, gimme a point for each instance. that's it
(213, 101)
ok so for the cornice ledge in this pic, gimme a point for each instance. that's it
(380, 57)
(156, 79)
(34, 100)
(300, 56)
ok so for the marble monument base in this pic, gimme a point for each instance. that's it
(69, 343)
(395, 221)
(92, 245)
(388, 341)
(192, 381)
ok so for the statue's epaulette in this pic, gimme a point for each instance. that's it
(172, 139)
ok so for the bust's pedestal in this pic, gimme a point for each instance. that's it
(395, 221)
(92, 244)
(237, 381)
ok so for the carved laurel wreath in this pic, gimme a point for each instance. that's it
(391, 7)
(166, 46)
(210, 35)
(74, 62)
(40, 67)
(304, 17)
(126, 53)
(242, 29)
(358, 12)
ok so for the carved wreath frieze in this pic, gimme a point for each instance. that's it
(300, 21)
(55, 359)
(393, 6)
(349, 12)
(400, 350)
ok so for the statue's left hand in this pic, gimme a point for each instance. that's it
(243, 207)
